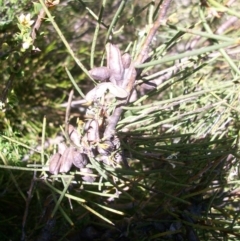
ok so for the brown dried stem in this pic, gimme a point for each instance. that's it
(29, 198)
(37, 24)
(144, 49)
(67, 118)
(41, 16)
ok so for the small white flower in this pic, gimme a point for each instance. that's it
(25, 20)
(25, 45)
(27, 42)
(2, 105)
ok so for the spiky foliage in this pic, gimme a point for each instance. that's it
(179, 137)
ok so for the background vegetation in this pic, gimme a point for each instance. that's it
(180, 136)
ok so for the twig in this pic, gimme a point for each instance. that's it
(67, 118)
(229, 23)
(163, 10)
(144, 50)
(5, 91)
(30, 191)
(41, 16)
(64, 41)
(68, 109)
(38, 23)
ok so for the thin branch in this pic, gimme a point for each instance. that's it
(144, 49)
(5, 91)
(41, 16)
(67, 116)
(29, 198)
(37, 24)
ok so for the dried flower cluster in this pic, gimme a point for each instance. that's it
(91, 142)
(67, 156)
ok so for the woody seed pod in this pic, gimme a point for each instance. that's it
(100, 73)
(117, 91)
(102, 88)
(87, 178)
(114, 61)
(73, 134)
(54, 163)
(66, 160)
(126, 60)
(92, 130)
(61, 147)
(79, 159)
